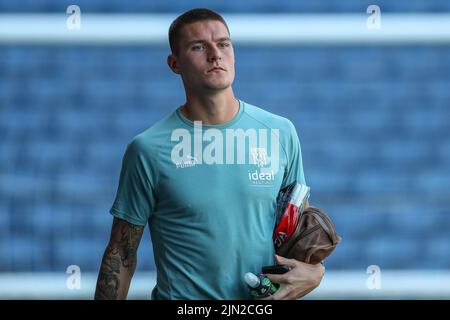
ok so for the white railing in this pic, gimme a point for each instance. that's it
(261, 29)
(401, 284)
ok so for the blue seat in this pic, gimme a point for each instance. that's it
(392, 252)
(374, 138)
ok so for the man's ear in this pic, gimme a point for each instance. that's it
(173, 63)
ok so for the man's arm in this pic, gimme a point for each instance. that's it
(119, 261)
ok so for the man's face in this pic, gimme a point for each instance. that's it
(205, 58)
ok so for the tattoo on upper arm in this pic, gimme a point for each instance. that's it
(120, 253)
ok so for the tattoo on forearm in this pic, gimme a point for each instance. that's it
(108, 279)
(120, 256)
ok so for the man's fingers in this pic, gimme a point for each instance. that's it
(276, 278)
(289, 262)
(281, 293)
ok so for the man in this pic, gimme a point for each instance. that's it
(205, 178)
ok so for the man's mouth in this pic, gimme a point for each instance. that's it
(216, 69)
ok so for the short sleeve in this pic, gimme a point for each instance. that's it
(135, 198)
(294, 169)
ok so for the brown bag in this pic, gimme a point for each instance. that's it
(313, 240)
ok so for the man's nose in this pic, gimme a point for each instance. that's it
(214, 54)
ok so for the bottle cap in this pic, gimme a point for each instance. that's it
(252, 280)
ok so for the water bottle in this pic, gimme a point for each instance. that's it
(260, 286)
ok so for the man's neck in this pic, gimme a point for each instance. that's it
(212, 109)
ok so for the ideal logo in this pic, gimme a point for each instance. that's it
(261, 176)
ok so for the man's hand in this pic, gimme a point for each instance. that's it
(301, 279)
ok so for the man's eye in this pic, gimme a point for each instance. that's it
(197, 47)
(224, 44)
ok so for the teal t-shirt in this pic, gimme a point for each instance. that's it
(208, 193)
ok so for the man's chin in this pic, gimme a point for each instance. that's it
(217, 86)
